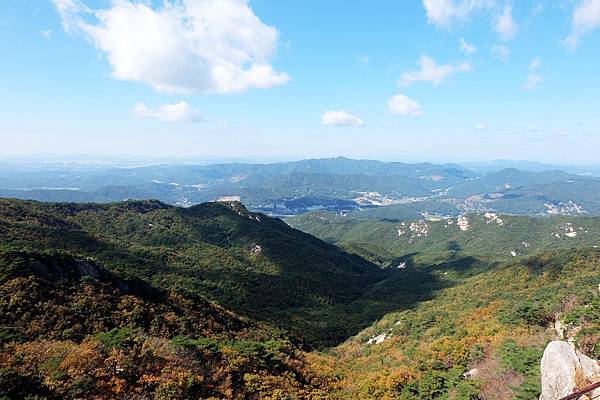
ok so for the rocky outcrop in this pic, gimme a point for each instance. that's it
(564, 370)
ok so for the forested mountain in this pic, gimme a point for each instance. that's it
(483, 235)
(141, 299)
(248, 262)
(186, 213)
(480, 334)
(492, 291)
(71, 330)
(507, 179)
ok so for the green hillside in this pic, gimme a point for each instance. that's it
(148, 300)
(484, 235)
(409, 211)
(481, 295)
(507, 179)
(494, 324)
(70, 329)
(248, 262)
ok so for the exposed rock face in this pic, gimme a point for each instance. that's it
(377, 339)
(256, 249)
(564, 370)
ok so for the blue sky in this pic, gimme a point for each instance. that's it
(270, 79)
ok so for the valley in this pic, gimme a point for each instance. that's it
(318, 279)
(299, 200)
(437, 308)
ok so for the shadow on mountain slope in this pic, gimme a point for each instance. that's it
(252, 264)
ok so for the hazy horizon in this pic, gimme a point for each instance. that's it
(141, 160)
(115, 159)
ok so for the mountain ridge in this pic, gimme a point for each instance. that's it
(290, 188)
(248, 262)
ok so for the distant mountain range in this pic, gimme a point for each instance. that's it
(497, 165)
(393, 189)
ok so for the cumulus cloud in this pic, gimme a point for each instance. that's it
(505, 25)
(178, 112)
(432, 72)
(501, 52)
(404, 106)
(184, 46)
(444, 13)
(533, 78)
(340, 118)
(466, 47)
(586, 18)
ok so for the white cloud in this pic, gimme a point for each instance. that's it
(178, 112)
(340, 118)
(505, 25)
(70, 13)
(466, 47)
(432, 72)
(46, 33)
(586, 18)
(535, 63)
(445, 12)
(185, 46)
(501, 52)
(533, 78)
(482, 126)
(404, 106)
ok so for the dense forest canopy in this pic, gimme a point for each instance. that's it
(145, 300)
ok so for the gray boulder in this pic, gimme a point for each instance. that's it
(565, 369)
